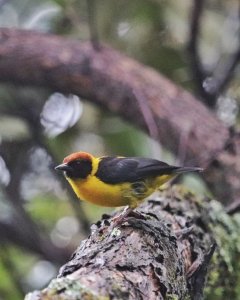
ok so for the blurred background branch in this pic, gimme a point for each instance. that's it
(210, 82)
(92, 21)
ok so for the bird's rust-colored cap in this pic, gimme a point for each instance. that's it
(77, 155)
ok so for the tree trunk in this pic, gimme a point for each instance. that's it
(162, 253)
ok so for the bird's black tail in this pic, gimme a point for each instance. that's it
(181, 170)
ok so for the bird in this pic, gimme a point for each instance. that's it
(114, 181)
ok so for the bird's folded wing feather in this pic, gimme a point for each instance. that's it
(119, 169)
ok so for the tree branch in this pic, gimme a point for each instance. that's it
(114, 81)
(164, 254)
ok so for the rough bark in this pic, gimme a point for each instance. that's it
(120, 84)
(164, 254)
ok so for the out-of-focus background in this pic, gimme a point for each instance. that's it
(41, 222)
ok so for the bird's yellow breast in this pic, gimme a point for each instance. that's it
(97, 192)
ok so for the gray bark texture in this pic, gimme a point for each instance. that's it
(162, 253)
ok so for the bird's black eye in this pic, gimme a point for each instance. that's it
(80, 168)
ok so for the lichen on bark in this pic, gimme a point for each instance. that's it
(164, 253)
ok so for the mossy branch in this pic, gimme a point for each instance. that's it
(164, 254)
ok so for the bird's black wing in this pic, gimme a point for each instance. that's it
(130, 169)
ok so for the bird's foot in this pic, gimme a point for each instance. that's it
(119, 219)
(110, 225)
(122, 217)
(184, 233)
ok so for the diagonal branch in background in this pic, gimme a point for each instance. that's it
(152, 128)
(14, 233)
(108, 78)
(197, 69)
(18, 164)
(92, 24)
(20, 229)
(227, 72)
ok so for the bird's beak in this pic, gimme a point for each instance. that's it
(63, 167)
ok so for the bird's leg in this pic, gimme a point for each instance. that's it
(128, 210)
(117, 220)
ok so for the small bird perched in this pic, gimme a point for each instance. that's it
(117, 181)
